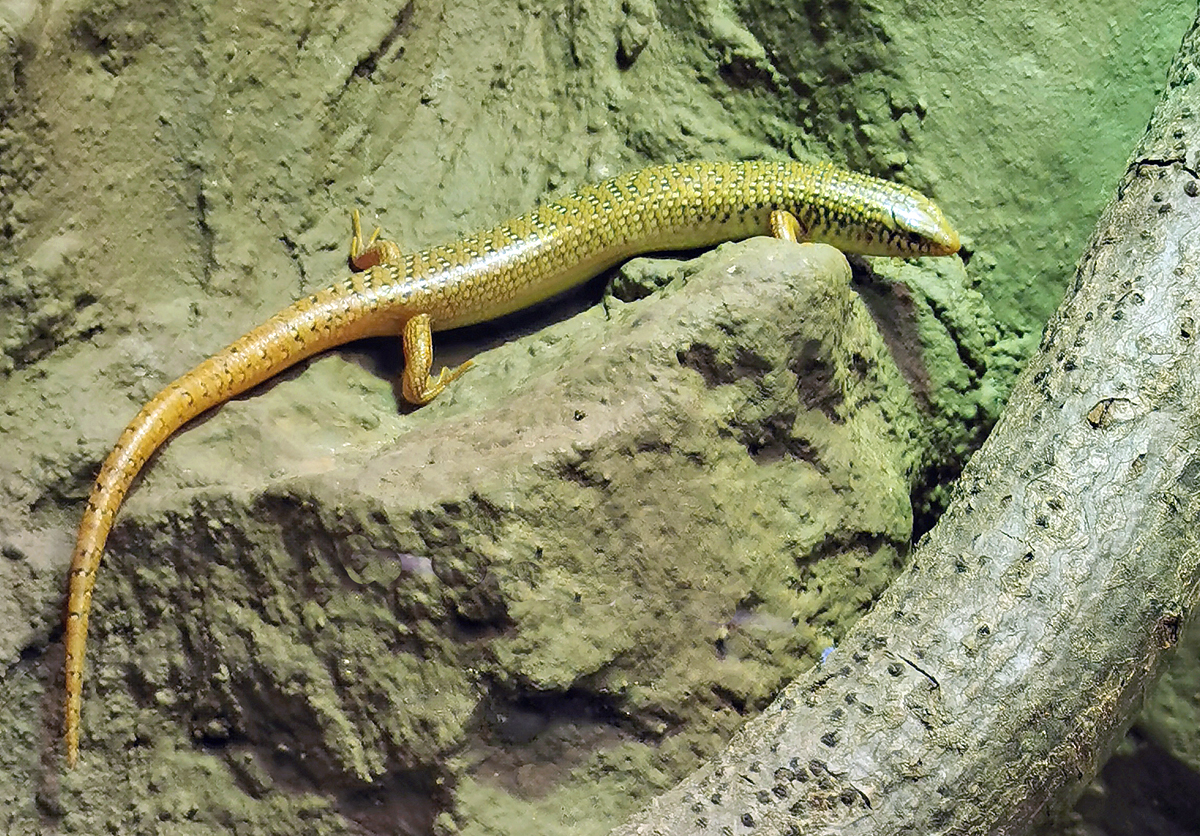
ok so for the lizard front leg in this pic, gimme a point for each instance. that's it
(784, 226)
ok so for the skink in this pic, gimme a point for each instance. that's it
(508, 267)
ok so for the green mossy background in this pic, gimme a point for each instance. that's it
(170, 175)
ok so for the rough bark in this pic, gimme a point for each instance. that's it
(990, 682)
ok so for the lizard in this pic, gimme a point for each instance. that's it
(511, 266)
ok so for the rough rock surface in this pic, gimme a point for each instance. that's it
(530, 596)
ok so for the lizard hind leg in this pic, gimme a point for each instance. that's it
(418, 388)
(366, 254)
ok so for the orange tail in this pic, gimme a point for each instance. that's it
(287, 338)
(169, 410)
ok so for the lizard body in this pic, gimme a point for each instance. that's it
(511, 266)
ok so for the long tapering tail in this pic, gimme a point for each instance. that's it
(290, 336)
(170, 409)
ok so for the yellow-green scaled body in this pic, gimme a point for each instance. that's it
(511, 266)
(669, 207)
